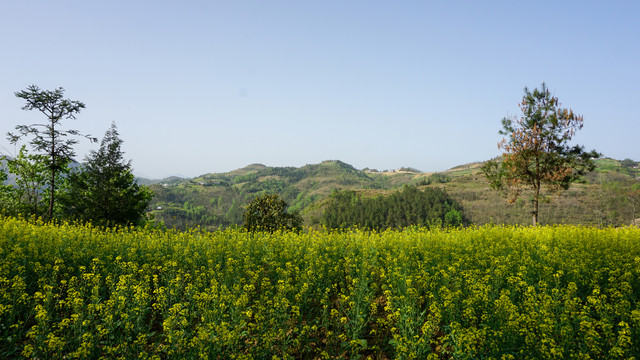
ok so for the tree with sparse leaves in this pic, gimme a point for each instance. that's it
(47, 138)
(268, 212)
(25, 196)
(104, 191)
(536, 150)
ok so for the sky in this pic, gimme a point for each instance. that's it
(198, 87)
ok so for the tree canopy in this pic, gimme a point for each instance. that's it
(47, 138)
(409, 206)
(268, 212)
(537, 151)
(104, 190)
(25, 196)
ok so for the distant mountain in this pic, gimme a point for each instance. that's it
(167, 180)
(218, 199)
(11, 178)
(213, 200)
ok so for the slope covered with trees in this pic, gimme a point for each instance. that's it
(609, 195)
(215, 200)
(406, 207)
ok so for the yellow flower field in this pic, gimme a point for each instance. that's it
(77, 292)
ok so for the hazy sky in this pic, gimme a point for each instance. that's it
(210, 86)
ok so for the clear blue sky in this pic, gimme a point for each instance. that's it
(210, 86)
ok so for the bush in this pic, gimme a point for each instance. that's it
(268, 213)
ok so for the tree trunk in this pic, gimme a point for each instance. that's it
(52, 184)
(535, 206)
(52, 189)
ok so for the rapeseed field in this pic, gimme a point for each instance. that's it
(79, 292)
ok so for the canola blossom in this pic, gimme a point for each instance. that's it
(78, 292)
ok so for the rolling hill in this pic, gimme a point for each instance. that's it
(608, 196)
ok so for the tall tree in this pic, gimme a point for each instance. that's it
(104, 191)
(536, 149)
(47, 138)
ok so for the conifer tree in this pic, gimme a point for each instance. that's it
(47, 138)
(536, 149)
(104, 191)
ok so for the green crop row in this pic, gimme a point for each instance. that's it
(491, 292)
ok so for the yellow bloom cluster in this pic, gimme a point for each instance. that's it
(78, 292)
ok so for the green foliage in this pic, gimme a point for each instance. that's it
(629, 167)
(537, 151)
(437, 178)
(224, 196)
(6, 192)
(47, 138)
(628, 163)
(409, 169)
(104, 191)
(453, 218)
(25, 197)
(268, 212)
(400, 209)
(305, 189)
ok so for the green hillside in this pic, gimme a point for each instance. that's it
(608, 196)
(214, 200)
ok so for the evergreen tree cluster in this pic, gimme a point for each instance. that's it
(407, 207)
(102, 191)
